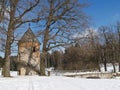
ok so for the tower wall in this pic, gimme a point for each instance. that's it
(29, 58)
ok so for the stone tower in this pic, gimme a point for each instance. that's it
(29, 54)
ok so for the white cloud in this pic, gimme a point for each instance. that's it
(85, 33)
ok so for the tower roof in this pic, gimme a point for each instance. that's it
(28, 37)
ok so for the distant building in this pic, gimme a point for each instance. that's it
(29, 54)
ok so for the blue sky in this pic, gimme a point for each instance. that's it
(103, 12)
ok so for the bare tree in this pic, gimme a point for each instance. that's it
(104, 52)
(109, 48)
(17, 12)
(64, 18)
(118, 31)
(93, 39)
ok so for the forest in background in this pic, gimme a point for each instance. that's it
(90, 50)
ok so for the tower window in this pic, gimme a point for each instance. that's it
(34, 49)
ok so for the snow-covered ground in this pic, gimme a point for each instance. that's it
(57, 83)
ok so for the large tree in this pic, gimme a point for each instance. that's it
(16, 13)
(64, 18)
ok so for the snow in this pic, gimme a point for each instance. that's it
(12, 73)
(57, 83)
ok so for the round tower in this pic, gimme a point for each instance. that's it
(29, 54)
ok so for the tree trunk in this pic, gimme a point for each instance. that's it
(6, 68)
(105, 65)
(43, 58)
(114, 69)
(44, 52)
(42, 64)
(99, 66)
